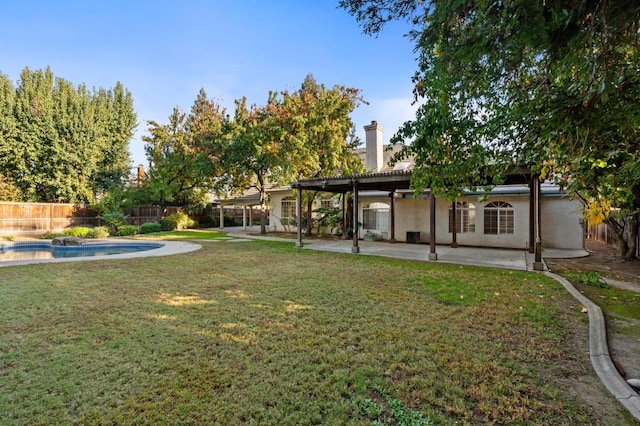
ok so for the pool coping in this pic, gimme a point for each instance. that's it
(167, 248)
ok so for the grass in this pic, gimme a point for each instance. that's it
(622, 307)
(261, 332)
(187, 234)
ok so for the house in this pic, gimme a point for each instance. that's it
(513, 215)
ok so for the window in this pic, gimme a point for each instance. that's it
(375, 216)
(330, 203)
(288, 211)
(465, 217)
(498, 218)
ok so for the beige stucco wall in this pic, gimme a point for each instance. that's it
(561, 223)
(275, 212)
(561, 220)
(413, 215)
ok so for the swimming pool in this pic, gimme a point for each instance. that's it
(45, 250)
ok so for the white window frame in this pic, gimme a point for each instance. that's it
(381, 213)
(503, 218)
(288, 208)
(465, 218)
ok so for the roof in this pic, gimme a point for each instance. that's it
(388, 151)
(389, 181)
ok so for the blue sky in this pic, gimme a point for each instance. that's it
(164, 51)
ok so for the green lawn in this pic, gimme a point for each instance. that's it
(260, 332)
(187, 234)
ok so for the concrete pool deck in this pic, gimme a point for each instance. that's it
(168, 248)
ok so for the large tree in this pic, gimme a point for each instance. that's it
(553, 85)
(60, 143)
(186, 155)
(329, 131)
(259, 153)
(297, 135)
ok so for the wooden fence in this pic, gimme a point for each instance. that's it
(603, 234)
(40, 218)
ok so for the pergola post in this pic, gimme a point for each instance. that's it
(299, 218)
(532, 216)
(344, 216)
(393, 217)
(454, 224)
(537, 264)
(432, 228)
(355, 248)
(244, 217)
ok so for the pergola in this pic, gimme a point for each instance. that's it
(401, 180)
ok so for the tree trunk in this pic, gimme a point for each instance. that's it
(349, 227)
(263, 211)
(632, 237)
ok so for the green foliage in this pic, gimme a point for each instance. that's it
(296, 135)
(60, 143)
(329, 219)
(183, 221)
(51, 235)
(117, 200)
(229, 220)
(150, 227)
(186, 155)
(83, 232)
(113, 220)
(79, 232)
(100, 232)
(550, 85)
(592, 278)
(168, 224)
(390, 411)
(127, 230)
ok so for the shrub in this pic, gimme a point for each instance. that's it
(114, 220)
(100, 232)
(79, 232)
(230, 220)
(168, 224)
(150, 227)
(52, 235)
(126, 230)
(182, 221)
(593, 279)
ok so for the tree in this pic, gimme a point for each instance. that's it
(116, 120)
(330, 133)
(297, 135)
(57, 141)
(553, 85)
(259, 153)
(186, 156)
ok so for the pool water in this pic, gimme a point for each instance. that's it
(28, 251)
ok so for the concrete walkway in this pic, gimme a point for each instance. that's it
(497, 258)
(479, 256)
(167, 248)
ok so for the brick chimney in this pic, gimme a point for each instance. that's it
(374, 160)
